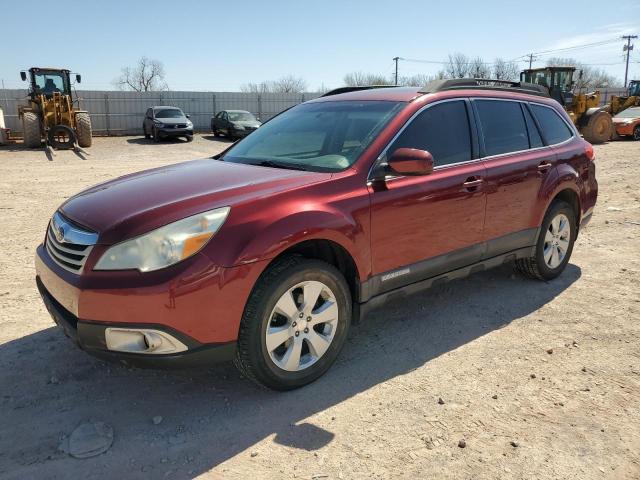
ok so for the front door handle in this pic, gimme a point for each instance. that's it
(544, 167)
(472, 183)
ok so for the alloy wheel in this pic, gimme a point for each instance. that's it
(302, 326)
(556, 240)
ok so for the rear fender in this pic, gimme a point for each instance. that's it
(564, 177)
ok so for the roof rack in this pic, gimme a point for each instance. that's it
(485, 84)
(337, 91)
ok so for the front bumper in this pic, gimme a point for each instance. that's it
(90, 337)
(196, 302)
(174, 132)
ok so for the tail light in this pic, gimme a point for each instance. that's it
(589, 152)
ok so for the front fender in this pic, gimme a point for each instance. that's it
(303, 226)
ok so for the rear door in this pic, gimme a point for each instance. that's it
(517, 163)
(423, 226)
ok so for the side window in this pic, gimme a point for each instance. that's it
(535, 140)
(554, 129)
(443, 130)
(502, 125)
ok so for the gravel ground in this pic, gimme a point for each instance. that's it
(494, 376)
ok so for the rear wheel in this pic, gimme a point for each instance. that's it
(555, 244)
(295, 323)
(84, 130)
(599, 128)
(189, 138)
(636, 133)
(31, 130)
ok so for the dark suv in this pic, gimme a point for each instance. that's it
(269, 251)
(167, 122)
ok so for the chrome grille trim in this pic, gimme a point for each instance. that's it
(68, 245)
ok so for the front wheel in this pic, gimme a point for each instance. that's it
(555, 244)
(189, 138)
(636, 133)
(295, 323)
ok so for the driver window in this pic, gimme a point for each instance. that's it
(442, 130)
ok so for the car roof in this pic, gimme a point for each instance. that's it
(395, 94)
(171, 107)
(635, 110)
(237, 111)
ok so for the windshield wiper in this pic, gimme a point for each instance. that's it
(287, 166)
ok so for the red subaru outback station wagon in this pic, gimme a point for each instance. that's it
(267, 252)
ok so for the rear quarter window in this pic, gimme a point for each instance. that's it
(503, 126)
(554, 128)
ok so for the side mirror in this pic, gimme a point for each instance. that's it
(23, 76)
(411, 162)
(188, 116)
(78, 78)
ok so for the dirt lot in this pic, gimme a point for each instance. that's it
(552, 367)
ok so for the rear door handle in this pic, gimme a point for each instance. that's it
(544, 167)
(472, 183)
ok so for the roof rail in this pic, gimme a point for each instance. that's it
(485, 84)
(337, 91)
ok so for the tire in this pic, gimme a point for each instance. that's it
(83, 129)
(31, 130)
(636, 133)
(269, 368)
(57, 132)
(599, 128)
(216, 133)
(230, 135)
(543, 267)
(189, 138)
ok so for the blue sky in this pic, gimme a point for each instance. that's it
(220, 45)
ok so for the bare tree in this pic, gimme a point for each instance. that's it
(287, 84)
(146, 76)
(478, 68)
(590, 79)
(457, 66)
(504, 70)
(355, 79)
(418, 80)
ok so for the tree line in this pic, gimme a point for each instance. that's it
(149, 75)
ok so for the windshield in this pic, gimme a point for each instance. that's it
(240, 116)
(629, 113)
(48, 83)
(169, 113)
(321, 137)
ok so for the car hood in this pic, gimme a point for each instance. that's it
(247, 123)
(137, 203)
(625, 120)
(172, 121)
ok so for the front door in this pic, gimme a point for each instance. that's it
(427, 225)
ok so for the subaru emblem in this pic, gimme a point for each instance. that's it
(59, 232)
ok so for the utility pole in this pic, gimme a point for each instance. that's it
(531, 59)
(395, 59)
(627, 48)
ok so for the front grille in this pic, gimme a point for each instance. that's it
(178, 125)
(69, 245)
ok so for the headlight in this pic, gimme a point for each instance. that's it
(166, 245)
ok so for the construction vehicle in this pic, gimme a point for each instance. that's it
(51, 113)
(594, 121)
(632, 99)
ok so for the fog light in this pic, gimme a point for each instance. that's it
(142, 340)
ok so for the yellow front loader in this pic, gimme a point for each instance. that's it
(593, 121)
(51, 113)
